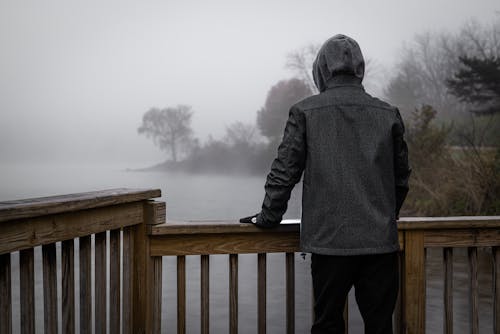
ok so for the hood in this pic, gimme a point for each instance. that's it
(339, 56)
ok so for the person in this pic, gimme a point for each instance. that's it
(350, 148)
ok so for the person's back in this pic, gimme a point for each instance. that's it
(349, 175)
(351, 150)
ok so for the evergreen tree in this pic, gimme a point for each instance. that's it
(478, 83)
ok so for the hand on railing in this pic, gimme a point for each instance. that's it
(249, 219)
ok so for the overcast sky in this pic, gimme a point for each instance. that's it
(76, 77)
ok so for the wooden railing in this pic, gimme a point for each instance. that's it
(91, 219)
(139, 237)
(419, 234)
(207, 238)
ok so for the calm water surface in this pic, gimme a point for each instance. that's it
(228, 197)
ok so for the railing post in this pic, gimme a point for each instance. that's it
(6, 294)
(146, 273)
(414, 282)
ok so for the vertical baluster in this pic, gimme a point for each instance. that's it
(156, 293)
(114, 281)
(233, 293)
(100, 282)
(205, 285)
(68, 286)
(261, 287)
(27, 289)
(84, 253)
(398, 312)
(6, 294)
(496, 289)
(128, 258)
(49, 288)
(313, 303)
(290, 293)
(181, 294)
(474, 316)
(448, 290)
(346, 315)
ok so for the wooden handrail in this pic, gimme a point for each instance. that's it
(216, 226)
(404, 223)
(448, 223)
(33, 222)
(36, 207)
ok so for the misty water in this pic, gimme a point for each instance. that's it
(196, 197)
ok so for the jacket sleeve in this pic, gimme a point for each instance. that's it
(402, 170)
(286, 171)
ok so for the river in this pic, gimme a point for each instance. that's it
(228, 197)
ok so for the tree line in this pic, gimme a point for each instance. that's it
(245, 148)
(447, 86)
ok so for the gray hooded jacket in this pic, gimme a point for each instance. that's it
(350, 148)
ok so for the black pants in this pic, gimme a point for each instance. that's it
(375, 279)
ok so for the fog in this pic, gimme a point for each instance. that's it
(76, 77)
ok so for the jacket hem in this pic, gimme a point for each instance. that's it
(350, 251)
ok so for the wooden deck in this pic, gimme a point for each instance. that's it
(132, 228)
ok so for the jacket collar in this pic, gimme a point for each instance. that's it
(342, 80)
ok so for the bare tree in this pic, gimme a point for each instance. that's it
(479, 40)
(300, 62)
(170, 128)
(421, 76)
(431, 58)
(240, 133)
